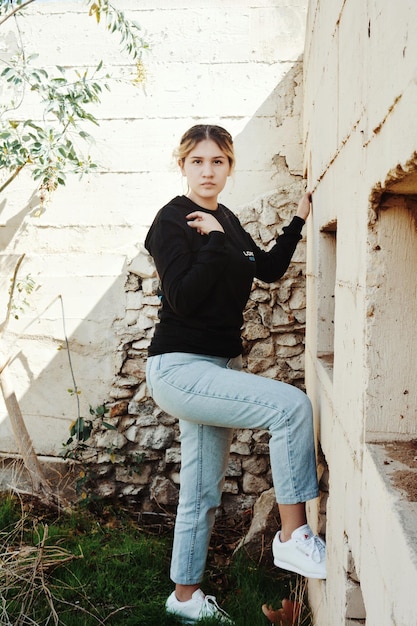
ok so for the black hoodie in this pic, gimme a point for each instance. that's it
(205, 280)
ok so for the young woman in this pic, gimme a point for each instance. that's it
(206, 264)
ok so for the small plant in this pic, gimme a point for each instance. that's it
(23, 287)
(286, 616)
(135, 465)
(293, 610)
(81, 429)
(79, 448)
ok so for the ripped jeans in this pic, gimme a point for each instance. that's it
(210, 399)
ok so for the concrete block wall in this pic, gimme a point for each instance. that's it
(232, 63)
(360, 160)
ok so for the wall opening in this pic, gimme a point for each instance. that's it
(326, 296)
(391, 328)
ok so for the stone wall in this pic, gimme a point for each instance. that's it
(273, 337)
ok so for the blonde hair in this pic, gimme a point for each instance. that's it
(200, 132)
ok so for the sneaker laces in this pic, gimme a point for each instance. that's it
(211, 608)
(314, 548)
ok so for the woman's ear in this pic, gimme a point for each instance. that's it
(181, 166)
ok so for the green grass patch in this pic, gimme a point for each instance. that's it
(88, 569)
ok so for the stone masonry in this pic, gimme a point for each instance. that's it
(273, 334)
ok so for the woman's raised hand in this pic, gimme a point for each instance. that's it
(204, 223)
(304, 206)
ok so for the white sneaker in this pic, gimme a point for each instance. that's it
(303, 554)
(199, 606)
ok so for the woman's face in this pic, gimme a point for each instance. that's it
(206, 168)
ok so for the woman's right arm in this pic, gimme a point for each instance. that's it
(188, 273)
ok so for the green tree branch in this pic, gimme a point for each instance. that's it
(54, 148)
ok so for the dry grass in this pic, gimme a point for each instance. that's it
(24, 569)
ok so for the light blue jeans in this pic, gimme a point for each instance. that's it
(211, 398)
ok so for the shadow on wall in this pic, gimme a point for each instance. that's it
(110, 367)
(277, 125)
(13, 226)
